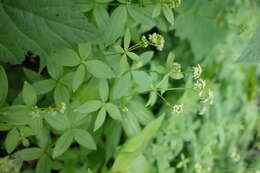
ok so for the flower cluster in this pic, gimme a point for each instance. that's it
(7, 166)
(198, 168)
(200, 85)
(197, 70)
(155, 40)
(176, 68)
(207, 96)
(178, 109)
(171, 3)
(235, 156)
(36, 111)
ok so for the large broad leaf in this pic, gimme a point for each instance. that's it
(252, 51)
(3, 85)
(40, 26)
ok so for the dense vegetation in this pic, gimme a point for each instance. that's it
(129, 86)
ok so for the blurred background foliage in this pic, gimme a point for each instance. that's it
(221, 137)
(225, 136)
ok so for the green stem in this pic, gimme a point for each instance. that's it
(163, 99)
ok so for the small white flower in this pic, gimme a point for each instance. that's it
(145, 41)
(171, 3)
(125, 109)
(156, 40)
(200, 85)
(235, 156)
(197, 70)
(176, 67)
(198, 167)
(62, 107)
(178, 109)
(207, 97)
(202, 111)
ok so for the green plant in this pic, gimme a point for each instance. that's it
(90, 86)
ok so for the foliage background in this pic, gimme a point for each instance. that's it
(222, 36)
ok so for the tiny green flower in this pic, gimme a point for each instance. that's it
(171, 3)
(178, 109)
(197, 70)
(207, 97)
(7, 166)
(235, 156)
(145, 42)
(125, 109)
(156, 40)
(176, 67)
(62, 107)
(198, 168)
(199, 85)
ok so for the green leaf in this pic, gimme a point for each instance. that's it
(127, 39)
(84, 50)
(168, 15)
(163, 84)
(17, 114)
(101, 116)
(29, 153)
(146, 57)
(89, 106)
(61, 94)
(142, 79)
(44, 164)
(116, 24)
(156, 11)
(101, 17)
(58, 121)
(84, 139)
(3, 85)
(252, 51)
(122, 86)
(99, 69)
(113, 111)
(141, 14)
(133, 56)
(123, 65)
(12, 139)
(130, 124)
(63, 143)
(65, 57)
(44, 86)
(60, 24)
(170, 60)
(103, 90)
(78, 77)
(141, 165)
(135, 146)
(85, 5)
(29, 94)
(152, 99)
(143, 114)
(55, 70)
(32, 76)
(118, 49)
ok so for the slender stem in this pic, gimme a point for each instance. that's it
(163, 99)
(135, 46)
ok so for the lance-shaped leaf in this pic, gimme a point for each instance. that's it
(135, 146)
